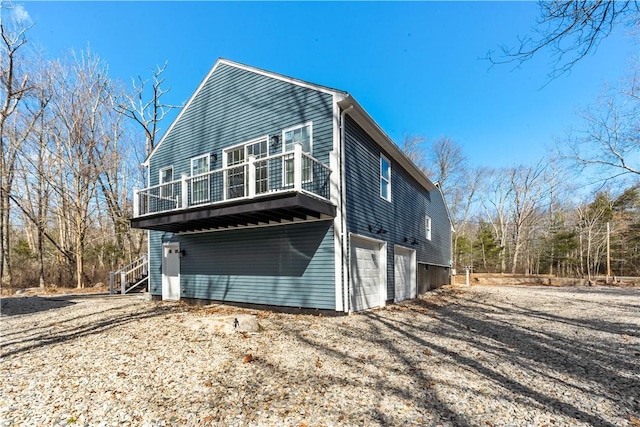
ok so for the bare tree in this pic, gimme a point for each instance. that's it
(14, 88)
(116, 179)
(37, 172)
(449, 163)
(148, 111)
(496, 206)
(559, 208)
(570, 30)
(83, 140)
(462, 202)
(33, 199)
(591, 219)
(445, 163)
(609, 142)
(442, 161)
(527, 193)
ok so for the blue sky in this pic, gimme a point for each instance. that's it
(416, 67)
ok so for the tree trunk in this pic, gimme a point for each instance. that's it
(79, 264)
(5, 230)
(516, 252)
(41, 280)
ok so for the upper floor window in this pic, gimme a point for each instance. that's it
(303, 135)
(166, 176)
(236, 180)
(427, 227)
(300, 134)
(385, 178)
(200, 184)
(200, 165)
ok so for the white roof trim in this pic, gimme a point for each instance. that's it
(179, 116)
(365, 121)
(281, 77)
(222, 61)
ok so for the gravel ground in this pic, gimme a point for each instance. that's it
(479, 356)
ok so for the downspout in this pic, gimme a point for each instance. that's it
(345, 235)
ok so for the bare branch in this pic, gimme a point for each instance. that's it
(609, 143)
(148, 114)
(570, 30)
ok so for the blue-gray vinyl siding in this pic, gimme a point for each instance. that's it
(403, 217)
(288, 265)
(235, 106)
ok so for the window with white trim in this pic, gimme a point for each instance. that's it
(166, 176)
(236, 181)
(200, 184)
(260, 149)
(385, 178)
(302, 134)
(235, 176)
(427, 227)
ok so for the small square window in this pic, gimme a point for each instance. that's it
(300, 134)
(385, 178)
(427, 227)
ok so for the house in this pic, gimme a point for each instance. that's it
(274, 191)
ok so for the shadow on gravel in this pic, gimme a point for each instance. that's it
(554, 352)
(29, 305)
(425, 399)
(512, 385)
(421, 395)
(600, 362)
(383, 334)
(65, 330)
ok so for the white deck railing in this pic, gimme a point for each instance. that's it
(293, 171)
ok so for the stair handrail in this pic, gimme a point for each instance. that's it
(140, 266)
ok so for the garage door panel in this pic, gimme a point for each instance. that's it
(369, 291)
(404, 272)
(366, 273)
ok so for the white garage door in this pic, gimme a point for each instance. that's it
(404, 273)
(367, 281)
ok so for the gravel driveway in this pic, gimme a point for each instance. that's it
(479, 356)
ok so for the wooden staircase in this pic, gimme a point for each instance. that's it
(132, 277)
